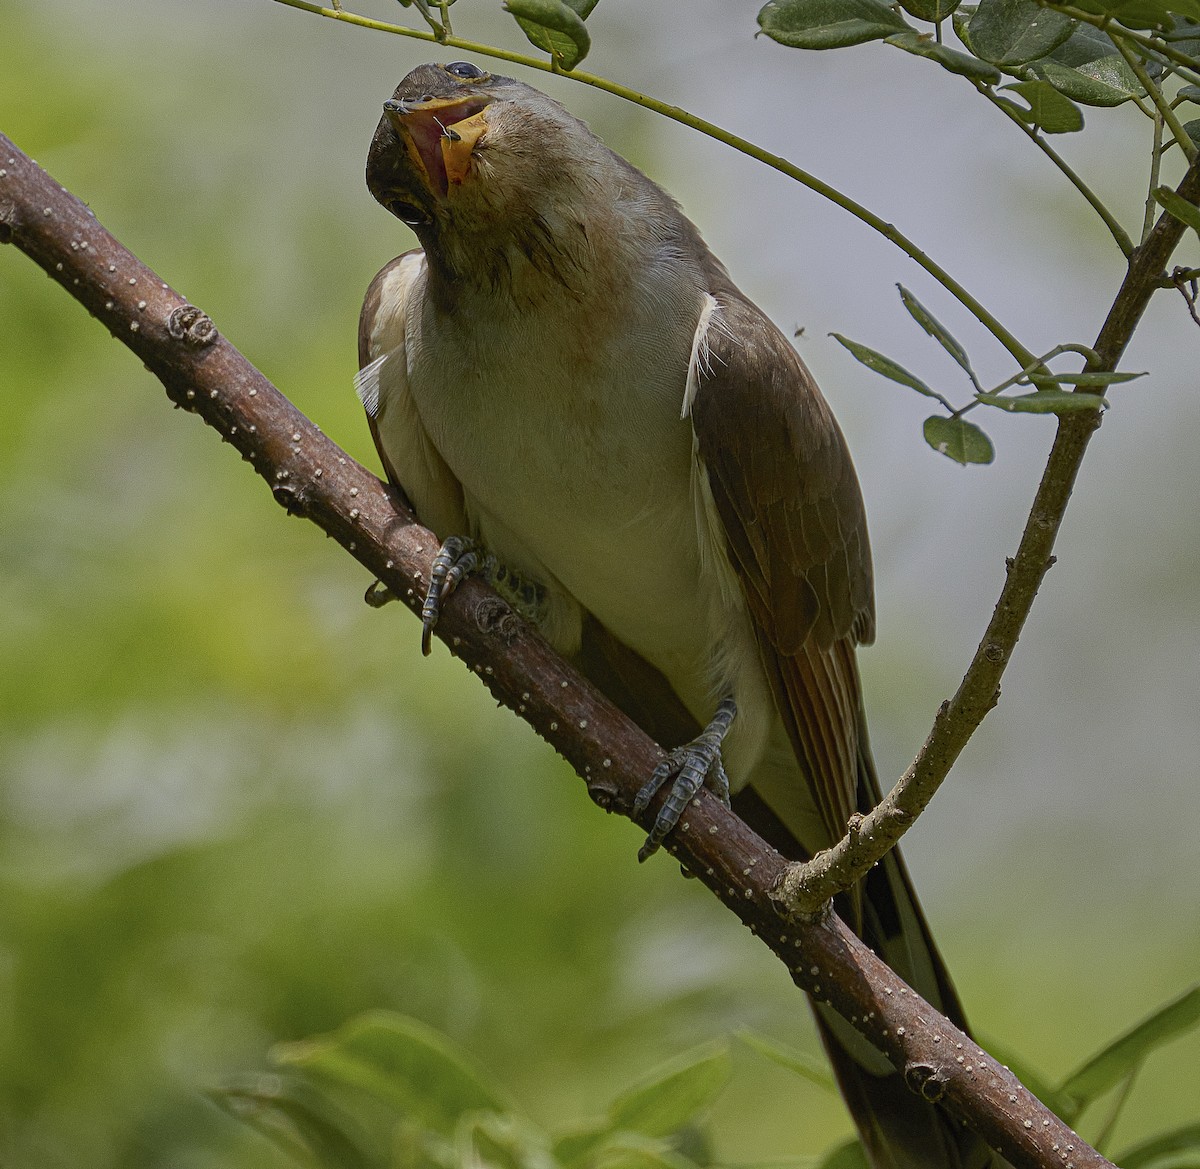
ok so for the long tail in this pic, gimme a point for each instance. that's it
(898, 1129)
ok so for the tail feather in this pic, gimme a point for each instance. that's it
(895, 1134)
(898, 1129)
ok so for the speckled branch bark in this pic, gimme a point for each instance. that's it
(804, 888)
(310, 476)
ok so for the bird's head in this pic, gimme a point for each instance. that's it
(483, 166)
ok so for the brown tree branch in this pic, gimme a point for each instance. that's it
(310, 476)
(804, 888)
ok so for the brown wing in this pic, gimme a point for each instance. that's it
(787, 495)
(368, 330)
(368, 317)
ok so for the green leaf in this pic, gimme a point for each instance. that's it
(923, 45)
(1080, 86)
(1011, 32)
(1105, 76)
(1190, 93)
(1048, 109)
(1184, 36)
(848, 1155)
(1138, 13)
(576, 1146)
(1153, 1153)
(556, 27)
(1186, 8)
(958, 439)
(296, 1118)
(936, 330)
(811, 1068)
(629, 1151)
(1043, 401)
(1123, 1056)
(1178, 206)
(500, 1142)
(875, 360)
(399, 1060)
(1097, 377)
(1192, 130)
(961, 21)
(829, 24)
(931, 10)
(674, 1095)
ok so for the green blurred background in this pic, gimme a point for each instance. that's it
(237, 807)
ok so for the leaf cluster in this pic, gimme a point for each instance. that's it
(1056, 62)
(388, 1092)
(951, 434)
(1039, 62)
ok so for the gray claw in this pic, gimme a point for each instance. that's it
(456, 558)
(693, 765)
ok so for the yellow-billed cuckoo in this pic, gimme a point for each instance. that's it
(565, 375)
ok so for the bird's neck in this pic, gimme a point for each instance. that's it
(568, 249)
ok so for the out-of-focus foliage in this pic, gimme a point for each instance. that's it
(236, 806)
(387, 1091)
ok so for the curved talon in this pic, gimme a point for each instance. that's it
(455, 559)
(649, 789)
(694, 765)
(687, 783)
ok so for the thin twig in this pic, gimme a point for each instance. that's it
(1110, 221)
(1185, 281)
(805, 888)
(1155, 168)
(1021, 377)
(1156, 96)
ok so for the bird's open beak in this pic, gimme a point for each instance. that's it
(440, 134)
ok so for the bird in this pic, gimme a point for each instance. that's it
(568, 388)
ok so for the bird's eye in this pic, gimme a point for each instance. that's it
(466, 71)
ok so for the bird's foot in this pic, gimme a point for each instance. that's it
(694, 765)
(527, 597)
(458, 558)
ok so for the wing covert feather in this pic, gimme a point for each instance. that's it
(412, 463)
(789, 501)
